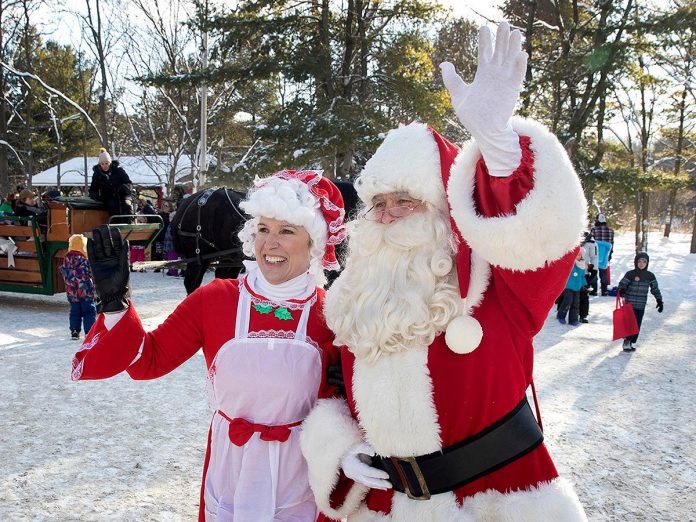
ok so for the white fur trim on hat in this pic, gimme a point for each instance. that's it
(547, 223)
(328, 433)
(408, 160)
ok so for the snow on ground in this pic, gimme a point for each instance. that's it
(622, 427)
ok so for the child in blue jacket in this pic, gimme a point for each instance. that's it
(570, 302)
(79, 286)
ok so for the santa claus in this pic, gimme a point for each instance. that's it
(453, 264)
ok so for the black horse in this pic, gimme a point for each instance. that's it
(205, 227)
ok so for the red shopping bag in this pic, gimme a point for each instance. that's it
(625, 323)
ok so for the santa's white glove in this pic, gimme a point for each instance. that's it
(485, 106)
(355, 467)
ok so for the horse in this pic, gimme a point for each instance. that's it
(205, 228)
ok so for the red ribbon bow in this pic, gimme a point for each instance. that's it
(241, 431)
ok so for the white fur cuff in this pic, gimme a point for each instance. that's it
(328, 433)
(547, 223)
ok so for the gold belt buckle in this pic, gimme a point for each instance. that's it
(419, 476)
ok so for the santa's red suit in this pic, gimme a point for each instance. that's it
(265, 369)
(523, 231)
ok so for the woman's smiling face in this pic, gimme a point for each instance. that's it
(281, 249)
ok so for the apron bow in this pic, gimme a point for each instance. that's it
(241, 430)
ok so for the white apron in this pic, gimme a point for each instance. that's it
(273, 381)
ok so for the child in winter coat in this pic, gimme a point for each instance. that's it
(634, 289)
(79, 286)
(590, 255)
(570, 303)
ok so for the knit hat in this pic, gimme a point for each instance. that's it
(104, 156)
(416, 159)
(78, 242)
(304, 198)
(601, 218)
(26, 193)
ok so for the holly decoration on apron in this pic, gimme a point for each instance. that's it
(280, 312)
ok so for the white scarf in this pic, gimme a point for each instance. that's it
(300, 287)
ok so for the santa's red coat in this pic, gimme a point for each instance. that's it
(523, 231)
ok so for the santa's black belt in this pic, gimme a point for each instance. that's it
(503, 442)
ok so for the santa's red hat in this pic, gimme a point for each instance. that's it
(416, 159)
(304, 198)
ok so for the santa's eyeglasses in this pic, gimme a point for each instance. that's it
(378, 210)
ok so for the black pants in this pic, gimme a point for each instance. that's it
(569, 305)
(584, 303)
(603, 280)
(638, 312)
(591, 278)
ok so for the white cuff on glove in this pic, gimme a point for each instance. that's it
(355, 467)
(501, 151)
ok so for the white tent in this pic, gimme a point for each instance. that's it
(144, 171)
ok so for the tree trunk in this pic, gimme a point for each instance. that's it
(693, 237)
(4, 163)
(639, 214)
(677, 160)
(670, 211)
(528, 47)
(645, 220)
(28, 100)
(101, 58)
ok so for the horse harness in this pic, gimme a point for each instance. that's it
(200, 203)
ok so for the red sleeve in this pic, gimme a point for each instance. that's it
(497, 196)
(526, 296)
(106, 353)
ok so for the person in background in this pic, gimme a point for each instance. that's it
(589, 248)
(27, 204)
(112, 186)
(265, 343)
(6, 207)
(604, 237)
(79, 286)
(633, 287)
(158, 252)
(570, 302)
(170, 253)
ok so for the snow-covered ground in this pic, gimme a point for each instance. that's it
(621, 426)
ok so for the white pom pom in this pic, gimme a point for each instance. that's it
(464, 334)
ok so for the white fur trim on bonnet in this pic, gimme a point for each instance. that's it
(287, 200)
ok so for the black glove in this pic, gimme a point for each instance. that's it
(590, 267)
(109, 257)
(660, 306)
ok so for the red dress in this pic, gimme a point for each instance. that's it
(266, 370)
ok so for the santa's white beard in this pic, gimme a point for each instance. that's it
(398, 290)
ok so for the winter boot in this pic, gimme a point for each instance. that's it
(633, 347)
(561, 320)
(75, 335)
(627, 345)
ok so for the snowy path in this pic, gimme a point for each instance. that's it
(621, 426)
